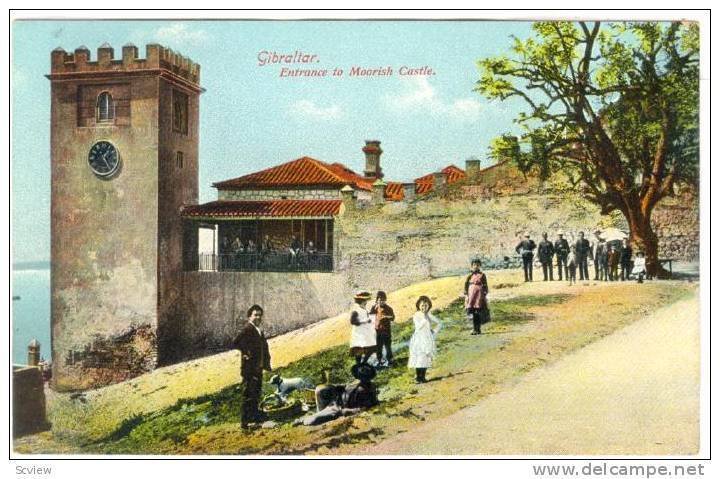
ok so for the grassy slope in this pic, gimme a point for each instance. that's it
(527, 331)
(100, 412)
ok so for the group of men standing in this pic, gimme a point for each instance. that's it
(606, 257)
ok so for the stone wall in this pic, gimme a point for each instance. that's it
(214, 305)
(415, 241)
(677, 225)
(28, 405)
(277, 194)
(109, 360)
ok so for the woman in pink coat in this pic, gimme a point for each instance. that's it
(476, 290)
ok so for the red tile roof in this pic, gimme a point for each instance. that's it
(272, 208)
(394, 191)
(304, 171)
(452, 174)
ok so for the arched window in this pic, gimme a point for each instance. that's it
(105, 107)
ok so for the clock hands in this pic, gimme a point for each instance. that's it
(105, 160)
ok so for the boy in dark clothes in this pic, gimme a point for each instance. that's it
(384, 316)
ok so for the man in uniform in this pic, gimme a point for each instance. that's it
(613, 260)
(255, 358)
(562, 250)
(598, 251)
(626, 255)
(546, 251)
(525, 250)
(582, 250)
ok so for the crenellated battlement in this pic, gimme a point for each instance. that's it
(156, 57)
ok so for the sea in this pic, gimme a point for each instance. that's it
(30, 312)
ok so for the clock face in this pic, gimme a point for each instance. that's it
(104, 159)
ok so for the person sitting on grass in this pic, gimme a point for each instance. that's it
(422, 343)
(335, 401)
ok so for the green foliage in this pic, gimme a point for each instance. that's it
(614, 106)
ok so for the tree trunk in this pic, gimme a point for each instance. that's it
(644, 239)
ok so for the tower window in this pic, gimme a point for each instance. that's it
(180, 112)
(105, 108)
(179, 159)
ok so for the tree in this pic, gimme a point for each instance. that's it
(614, 107)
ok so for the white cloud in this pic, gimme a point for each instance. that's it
(180, 33)
(419, 95)
(469, 108)
(308, 108)
(418, 92)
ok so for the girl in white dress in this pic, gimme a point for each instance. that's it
(362, 334)
(639, 266)
(422, 344)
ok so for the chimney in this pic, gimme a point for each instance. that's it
(472, 168)
(439, 182)
(33, 353)
(372, 152)
(347, 195)
(378, 193)
(409, 191)
(129, 54)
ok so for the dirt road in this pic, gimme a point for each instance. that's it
(635, 392)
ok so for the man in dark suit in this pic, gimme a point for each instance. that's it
(582, 250)
(600, 249)
(626, 254)
(525, 249)
(255, 358)
(546, 251)
(562, 250)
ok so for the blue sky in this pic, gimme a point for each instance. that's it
(252, 119)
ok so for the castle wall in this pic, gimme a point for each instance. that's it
(278, 194)
(104, 261)
(215, 303)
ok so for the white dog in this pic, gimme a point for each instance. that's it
(287, 385)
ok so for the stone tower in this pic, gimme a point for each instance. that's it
(124, 153)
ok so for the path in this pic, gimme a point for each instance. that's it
(635, 392)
